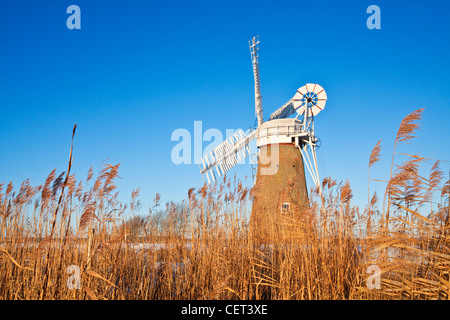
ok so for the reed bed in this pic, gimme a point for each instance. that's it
(73, 239)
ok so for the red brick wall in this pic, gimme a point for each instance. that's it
(288, 184)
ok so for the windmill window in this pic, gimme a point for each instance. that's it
(285, 207)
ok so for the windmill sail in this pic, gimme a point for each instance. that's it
(254, 47)
(284, 111)
(226, 155)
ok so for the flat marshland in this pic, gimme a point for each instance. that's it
(73, 239)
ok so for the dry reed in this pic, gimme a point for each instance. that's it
(203, 248)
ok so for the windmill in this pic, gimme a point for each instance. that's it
(285, 146)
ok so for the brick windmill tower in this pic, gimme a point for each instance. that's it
(285, 146)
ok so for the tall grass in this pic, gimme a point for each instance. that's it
(204, 248)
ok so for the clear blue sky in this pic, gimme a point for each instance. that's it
(138, 70)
